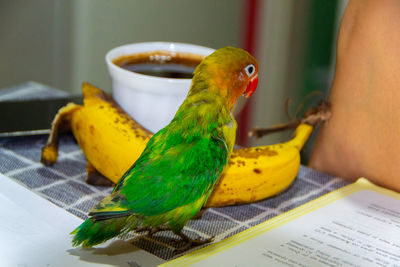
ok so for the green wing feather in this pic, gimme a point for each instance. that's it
(168, 184)
(162, 181)
(90, 232)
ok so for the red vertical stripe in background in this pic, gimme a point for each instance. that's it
(248, 43)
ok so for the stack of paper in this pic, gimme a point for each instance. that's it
(35, 232)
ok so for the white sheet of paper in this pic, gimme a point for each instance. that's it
(35, 232)
(361, 229)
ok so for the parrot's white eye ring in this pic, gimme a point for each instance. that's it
(250, 69)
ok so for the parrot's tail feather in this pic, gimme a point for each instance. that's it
(106, 215)
(91, 233)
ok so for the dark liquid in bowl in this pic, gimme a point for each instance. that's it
(161, 64)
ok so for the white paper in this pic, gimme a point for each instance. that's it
(362, 229)
(35, 232)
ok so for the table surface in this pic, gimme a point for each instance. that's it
(64, 184)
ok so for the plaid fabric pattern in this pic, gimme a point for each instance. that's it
(64, 185)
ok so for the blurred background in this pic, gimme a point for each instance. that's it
(61, 43)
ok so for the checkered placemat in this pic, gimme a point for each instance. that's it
(64, 184)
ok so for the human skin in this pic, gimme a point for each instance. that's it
(362, 138)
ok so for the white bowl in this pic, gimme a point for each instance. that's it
(152, 101)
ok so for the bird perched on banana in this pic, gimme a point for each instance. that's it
(181, 163)
(111, 140)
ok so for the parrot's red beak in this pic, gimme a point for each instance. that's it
(251, 86)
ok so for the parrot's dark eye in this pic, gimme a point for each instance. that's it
(250, 69)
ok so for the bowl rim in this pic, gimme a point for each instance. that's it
(169, 46)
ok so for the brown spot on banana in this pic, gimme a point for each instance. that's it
(241, 163)
(258, 171)
(254, 152)
(92, 93)
(81, 143)
(91, 129)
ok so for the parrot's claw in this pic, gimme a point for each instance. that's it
(157, 229)
(142, 229)
(190, 243)
(151, 231)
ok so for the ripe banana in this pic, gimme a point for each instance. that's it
(256, 173)
(112, 141)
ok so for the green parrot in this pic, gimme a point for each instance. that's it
(175, 174)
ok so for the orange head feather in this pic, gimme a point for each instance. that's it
(230, 72)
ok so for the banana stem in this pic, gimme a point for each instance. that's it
(260, 132)
(301, 135)
(313, 116)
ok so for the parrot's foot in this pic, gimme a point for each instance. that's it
(151, 231)
(190, 243)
